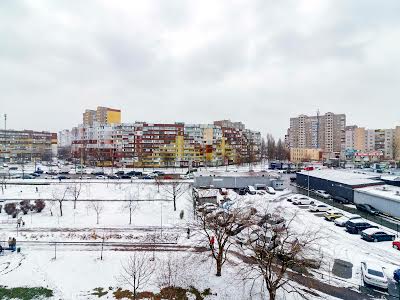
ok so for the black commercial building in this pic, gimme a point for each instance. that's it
(339, 184)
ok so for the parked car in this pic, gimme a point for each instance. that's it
(207, 207)
(39, 171)
(270, 190)
(134, 173)
(358, 225)
(148, 177)
(396, 275)
(343, 220)
(159, 173)
(119, 173)
(85, 177)
(396, 245)
(376, 235)
(125, 176)
(292, 197)
(28, 176)
(101, 177)
(323, 194)
(241, 191)
(35, 175)
(98, 173)
(223, 191)
(373, 275)
(302, 201)
(61, 177)
(341, 200)
(251, 190)
(112, 176)
(332, 215)
(319, 208)
(367, 208)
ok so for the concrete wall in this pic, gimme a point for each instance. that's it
(391, 207)
(230, 181)
(333, 188)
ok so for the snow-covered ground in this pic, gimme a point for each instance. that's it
(35, 265)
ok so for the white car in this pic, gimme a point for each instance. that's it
(251, 190)
(319, 208)
(101, 177)
(374, 275)
(293, 197)
(343, 220)
(302, 201)
(322, 194)
(270, 190)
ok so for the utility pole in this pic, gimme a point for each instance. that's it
(5, 136)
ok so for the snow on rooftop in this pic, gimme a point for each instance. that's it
(343, 176)
(383, 191)
(391, 177)
(238, 174)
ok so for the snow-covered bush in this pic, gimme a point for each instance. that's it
(11, 209)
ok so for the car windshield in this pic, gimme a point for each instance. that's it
(375, 273)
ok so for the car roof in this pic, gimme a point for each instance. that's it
(373, 230)
(358, 221)
(374, 266)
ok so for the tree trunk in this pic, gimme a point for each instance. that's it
(219, 267)
(174, 203)
(97, 218)
(75, 204)
(130, 215)
(272, 294)
(60, 207)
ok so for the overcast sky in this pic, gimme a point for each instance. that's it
(259, 62)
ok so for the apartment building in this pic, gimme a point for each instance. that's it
(27, 145)
(102, 115)
(298, 155)
(374, 141)
(175, 144)
(326, 132)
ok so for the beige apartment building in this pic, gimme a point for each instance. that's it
(325, 132)
(298, 155)
(384, 141)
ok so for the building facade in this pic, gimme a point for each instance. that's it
(298, 155)
(326, 132)
(20, 146)
(102, 115)
(175, 144)
(372, 144)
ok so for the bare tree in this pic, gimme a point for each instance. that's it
(131, 204)
(75, 191)
(217, 227)
(60, 195)
(98, 208)
(271, 147)
(168, 271)
(137, 271)
(275, 249)
(174, 189)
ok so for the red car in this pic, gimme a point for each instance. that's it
(396, 245)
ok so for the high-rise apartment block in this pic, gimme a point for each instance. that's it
(102, 115)
(325, 132)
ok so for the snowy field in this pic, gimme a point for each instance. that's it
(36, 266)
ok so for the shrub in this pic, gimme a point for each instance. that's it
(25, 206)
(39, 205)
(10, 208)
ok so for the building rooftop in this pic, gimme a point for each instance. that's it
(237, 174)
(344, 176)
(383, 191)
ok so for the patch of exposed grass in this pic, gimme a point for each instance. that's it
(24, 293)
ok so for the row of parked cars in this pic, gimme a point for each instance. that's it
(253, 190)
(372, 274)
